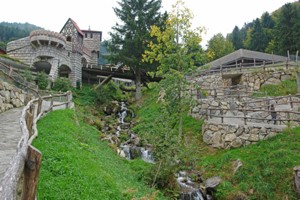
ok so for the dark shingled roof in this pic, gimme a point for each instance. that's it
(245, 54)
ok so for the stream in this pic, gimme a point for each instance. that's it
(130, 148)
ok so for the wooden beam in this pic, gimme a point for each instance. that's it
(31, 173)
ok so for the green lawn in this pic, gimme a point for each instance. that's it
(76, 164)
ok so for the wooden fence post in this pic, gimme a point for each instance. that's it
(40, 103)
(51, 104)
(31, 173)
(291, 102)
(245, 113)
(69, 99)
(29, 119)
(10, 70)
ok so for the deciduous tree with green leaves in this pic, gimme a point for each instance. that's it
(219, 46)
(129, 39)
(177, 51)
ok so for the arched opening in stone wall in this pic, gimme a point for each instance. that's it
(42, 65)
(64, 71)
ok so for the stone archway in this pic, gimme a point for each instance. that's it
(42, 65)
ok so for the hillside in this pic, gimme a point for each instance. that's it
(12, 31)
(76, 164)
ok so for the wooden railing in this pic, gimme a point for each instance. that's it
(15, 76)
(239, 68)
(289, 116)
(27, 158)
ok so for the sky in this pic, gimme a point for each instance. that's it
(216, 16)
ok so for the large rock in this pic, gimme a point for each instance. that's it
(230, 137)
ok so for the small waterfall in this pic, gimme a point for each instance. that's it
(126, 151)
(189, 189)
(146, 155)
(118, 131)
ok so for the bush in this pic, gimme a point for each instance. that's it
(62, 84)
(42, 80)
(28, 75)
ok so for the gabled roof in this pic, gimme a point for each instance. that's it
(246, 54)
(75, 25)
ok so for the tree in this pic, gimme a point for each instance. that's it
(218, 46)
(236, 38)
(129, 39)
(258, 38)
(287, 28)
(176, 52)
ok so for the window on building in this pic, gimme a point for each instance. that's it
(91, 35)
(69, 39)
(86, 35)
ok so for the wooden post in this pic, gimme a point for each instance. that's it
(222, 117)
(10, 70)
(215, 92)
(291, 102)
(40, 103)
(245, 113)
(29, 119)
(221, 70)
(51, 103)
(297, 52)
(31, 173)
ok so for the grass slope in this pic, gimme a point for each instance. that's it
(76, 164)
(267, 170)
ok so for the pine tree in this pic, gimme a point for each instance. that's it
(129, 39)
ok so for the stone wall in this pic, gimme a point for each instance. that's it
(10, 96)
(234, 136)
(251, 79)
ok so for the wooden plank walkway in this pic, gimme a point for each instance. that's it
(10, 134)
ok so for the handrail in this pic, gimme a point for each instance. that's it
(9, 71)
(244, 66)
(21, 161)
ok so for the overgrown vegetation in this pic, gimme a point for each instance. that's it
(76, 164)
(42, 80)
(286, 87)
(62, 84)
(267, 166)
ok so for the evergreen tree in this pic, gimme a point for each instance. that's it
(236, 38)
(129, 39)
(258, 41)
(287, 28)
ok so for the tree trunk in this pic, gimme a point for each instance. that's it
(180, 126)
(138, 91)
(180, 113)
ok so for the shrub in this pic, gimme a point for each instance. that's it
(42, 80)
(62, 84)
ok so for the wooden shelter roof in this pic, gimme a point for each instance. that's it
(242, 54)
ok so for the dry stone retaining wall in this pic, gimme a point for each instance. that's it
(10, 96)
(234, 136)
(252, 79)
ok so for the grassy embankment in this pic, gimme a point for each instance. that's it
(76, 164)
(267, 169)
